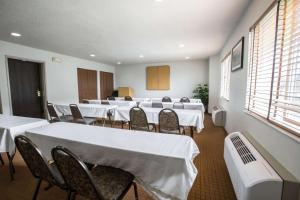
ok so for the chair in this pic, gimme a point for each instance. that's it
(54, 116)
(1, 160)
(166, 99)
(138, 120)
(128, 98)
(157, 105)
(40, 168)
(169, 122)
(85, 101)
(105, 102)
(185, 100)
(78, 118)
(178, 105)
(111, 98)
(100, 182)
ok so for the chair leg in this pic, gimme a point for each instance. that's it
(71, 195)
(1, 160)
(11, 166)
(37, 189)
(135, 191)
(192, 131)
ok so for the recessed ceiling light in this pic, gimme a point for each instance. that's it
(141, 56)
(16, 34)
(119, 63)
(187, 57)
(92, 55)
(181, 45)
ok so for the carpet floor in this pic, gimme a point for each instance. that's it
(212, 182)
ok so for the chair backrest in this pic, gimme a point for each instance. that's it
(166, 99)
(178, 105)
(138, 119)
(185, 100)
(52, 112)
(128, 98)
(75, 173)
(34, 159)
(105, 102)
(168, 121)
(112, 98)
(85, 101)
(157, 105)
(75, 112)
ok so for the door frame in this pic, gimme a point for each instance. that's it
(42, 78)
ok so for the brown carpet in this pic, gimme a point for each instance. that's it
(212, 182)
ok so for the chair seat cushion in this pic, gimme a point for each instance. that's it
(111, 182)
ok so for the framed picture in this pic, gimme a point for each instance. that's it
(237, 54)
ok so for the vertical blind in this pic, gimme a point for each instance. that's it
(273, 90)
(225, 76)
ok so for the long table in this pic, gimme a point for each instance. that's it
(12, 126)
(189, 106)
(162, 163)
(87, 110)
(191, 118)
(114, 102)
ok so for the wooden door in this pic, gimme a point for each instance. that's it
(87, 84)
(106, 84)
(26, 88)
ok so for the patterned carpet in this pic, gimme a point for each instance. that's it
(212, 182)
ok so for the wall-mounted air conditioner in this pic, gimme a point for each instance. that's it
(251, 175)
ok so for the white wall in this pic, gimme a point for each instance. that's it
(184, 77)
(214, 81)
(61, 78)
(285, 148)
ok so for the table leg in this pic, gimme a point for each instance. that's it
(11, 165)
(192, 131)
(1, 160)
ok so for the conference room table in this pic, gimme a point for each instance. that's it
(161, 163)
(12, 126)
(88, 110)
(188, 118)
(188, 106)
(156, 99)
(113, 102)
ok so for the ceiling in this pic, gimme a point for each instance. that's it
(121, 30)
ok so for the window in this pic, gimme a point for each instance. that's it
(273, 89)
(225, 76)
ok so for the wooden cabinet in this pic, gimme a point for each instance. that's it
(106, 84)
(158, 77)
(125, 91)
(87, 84)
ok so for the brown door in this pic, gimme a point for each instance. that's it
(87, 84)
(26, 88)
(106, 84)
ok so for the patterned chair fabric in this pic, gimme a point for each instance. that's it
(178, 105)
(37, 163)
(112, 98)
(166, 99)
(100, 183)
(128, 98)
(138, 119)
(78, 118)
(52, 112)
(157, 105)
(185, 100)
(104, 102)
(169, 122)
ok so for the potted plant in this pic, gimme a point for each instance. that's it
(201, 92)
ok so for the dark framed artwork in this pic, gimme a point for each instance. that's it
(237, 54)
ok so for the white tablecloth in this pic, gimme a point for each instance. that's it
(188, 106)
(136, 99)
(176, 100)
(87, 110)
(162, 163)
(115, 102)
(186, 117)
(12, 126)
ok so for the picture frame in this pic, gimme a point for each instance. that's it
(237, 55)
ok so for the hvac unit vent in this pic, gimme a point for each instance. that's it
(243, 150)
(218, 116)
(251, 175)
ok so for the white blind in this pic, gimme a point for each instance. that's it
(273, 90)
(285, 104)
(225, 77)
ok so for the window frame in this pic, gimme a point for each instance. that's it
(228, 55)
